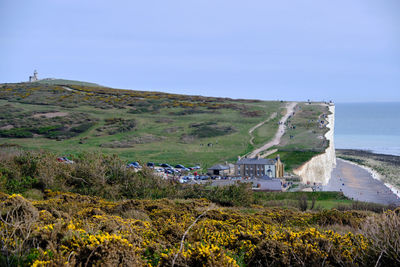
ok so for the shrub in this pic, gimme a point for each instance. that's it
(384, 233)
(16, 133)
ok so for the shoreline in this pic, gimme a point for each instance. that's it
(375, 174)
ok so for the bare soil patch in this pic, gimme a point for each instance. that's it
(148, 138)
(50, 115)
(7, 127)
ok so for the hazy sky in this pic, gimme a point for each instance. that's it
(344, 50)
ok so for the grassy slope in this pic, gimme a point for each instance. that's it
(306, 142)
(65, 82)
(103, 103)
(171, 149)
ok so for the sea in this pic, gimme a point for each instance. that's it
(368, 126)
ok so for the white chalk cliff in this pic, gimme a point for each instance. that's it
(319, 168)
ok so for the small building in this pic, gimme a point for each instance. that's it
(259, 167)
(227, 169)
(33, 78)
(265, 183)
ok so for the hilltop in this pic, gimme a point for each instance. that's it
(68, 117)
(53, 81)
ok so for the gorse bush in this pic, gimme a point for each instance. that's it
(72, 229)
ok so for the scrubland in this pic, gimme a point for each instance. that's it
(97, 212)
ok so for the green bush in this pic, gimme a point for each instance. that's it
(16, 133)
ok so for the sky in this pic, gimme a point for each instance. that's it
(342, 50)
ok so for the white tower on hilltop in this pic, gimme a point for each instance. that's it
(33, 78)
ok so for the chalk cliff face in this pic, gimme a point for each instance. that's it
(319, 168)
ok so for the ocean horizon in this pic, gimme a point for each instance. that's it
(368, 126)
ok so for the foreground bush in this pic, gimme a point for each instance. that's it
(105, 176)
(71, 229)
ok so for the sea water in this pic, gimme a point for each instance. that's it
(368, 126)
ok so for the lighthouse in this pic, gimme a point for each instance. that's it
(33, 78)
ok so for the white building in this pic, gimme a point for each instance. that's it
(33, 78)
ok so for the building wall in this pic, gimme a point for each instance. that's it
(254, 170)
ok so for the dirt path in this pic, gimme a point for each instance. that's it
(51, 114)
(357, 183)
(69, 89)
(273, 115)
(281, 130)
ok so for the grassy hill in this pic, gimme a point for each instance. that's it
(51, 81)
(69, 117)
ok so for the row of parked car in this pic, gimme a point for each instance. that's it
(188, 178)
(164, 167)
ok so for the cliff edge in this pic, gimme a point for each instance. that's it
(319, 168)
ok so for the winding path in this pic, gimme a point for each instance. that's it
(273, 115)
(281, 130)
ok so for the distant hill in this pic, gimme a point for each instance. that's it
(67, 117)
(52, 81)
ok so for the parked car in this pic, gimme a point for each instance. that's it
(65, 160)
(165, 165)
(183, 180)
(168, 171)
(180, 166)
(135, 165)
(150, 164)
(195, 168)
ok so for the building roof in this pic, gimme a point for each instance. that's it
(260, 161)
(219, 167)
(265, 177)
(268, 184)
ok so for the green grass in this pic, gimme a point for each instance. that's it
(324, 200)
(154, 114)
(171, 149)
(64, 82)
(294, 159)
(267, 131)
(307, 134)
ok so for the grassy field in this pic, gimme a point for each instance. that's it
(204, 131)
(146, 126)
(323, 200)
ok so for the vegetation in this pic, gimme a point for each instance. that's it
(294, 159)
(99, 212)
(72, 229)
(305, 135)
(93, 118)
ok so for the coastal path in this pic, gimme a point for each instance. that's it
(273, 115)
(357, 183)
(281, 130)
